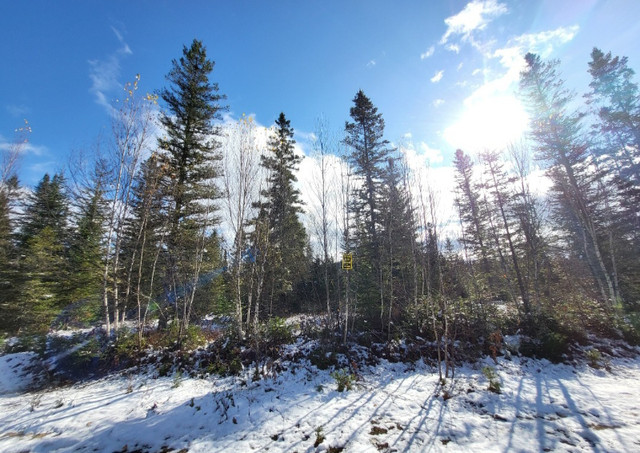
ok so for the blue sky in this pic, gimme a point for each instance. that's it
(442, 73)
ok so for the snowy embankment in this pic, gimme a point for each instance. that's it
(394, 407)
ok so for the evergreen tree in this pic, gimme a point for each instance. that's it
(285, 246)
(398, 244)
(44, 245)
(191, 146)
(190, 152)
(561, 144)
(369, 154)
(9, 271)
(498, 184)
(615, 101)
(47, 207)
(472, 214)
(85, 253)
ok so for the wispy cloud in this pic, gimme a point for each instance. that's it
(104, 73)
(17, 111)
(437, 77)
(511, 56)
(125, 47)
(371, 63)
(437, 103)
(475, 16)
(430, 51)
(24, 148)
(453, 48)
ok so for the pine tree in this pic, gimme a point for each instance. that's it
(561, 144)
(190, 152)
(48, 207)
(472, 215)
(369, 154)
(615, 102)
(44, 242)
(85, 253)
(498, 184)
(9, 271)
(398, 244)
(285, 245)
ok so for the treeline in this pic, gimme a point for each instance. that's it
(138, 237)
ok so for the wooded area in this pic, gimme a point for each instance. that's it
(135, 234)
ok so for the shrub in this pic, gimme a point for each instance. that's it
(553, 346)
(594, 357)
(630, 327)
(319, 437)
(177, 379)
(33, 343)
(492, 377)
(344, 380)
(278, 332)
(126, 347)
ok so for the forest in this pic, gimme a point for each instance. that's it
(128, 241)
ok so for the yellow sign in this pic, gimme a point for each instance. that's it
(347, 261)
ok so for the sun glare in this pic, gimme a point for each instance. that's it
(490, 123)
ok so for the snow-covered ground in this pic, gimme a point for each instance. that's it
(394, 407)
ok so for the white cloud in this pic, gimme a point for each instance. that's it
(437, 103)
(433, 155)
(23, 148)
(476, 72)
(475, 16)
(371, 63)
(437, 77)
(430, 51)
(453, 48)
(460, 66)
(125, 47)
(104, 74)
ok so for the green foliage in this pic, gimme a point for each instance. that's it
(319, 437)
(344, 379)
(85, 253)
(177, 379)
(631, 327)
(551, 346)
(28, 343)
(323, 359)
(279, 235)
(492, 377)
(126, 347)
(594, 357)
(85, 356)
(278, 332)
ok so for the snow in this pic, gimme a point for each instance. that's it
(14, 375)
(394, 407)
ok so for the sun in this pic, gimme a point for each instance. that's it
(488, 123)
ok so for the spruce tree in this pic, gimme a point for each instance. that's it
(615, 102)
(561, 144)
(398, 244)
(473, 219)
(9, 272)
(285, 246)
(85, 253)
(190, 153)
(44, 241)
(369, 153)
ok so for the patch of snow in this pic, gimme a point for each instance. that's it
(395, 406)
(14, 375)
